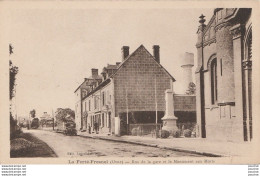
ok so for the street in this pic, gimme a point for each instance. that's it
(76, 146)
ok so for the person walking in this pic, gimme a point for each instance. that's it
(96, 127)
(89, 128)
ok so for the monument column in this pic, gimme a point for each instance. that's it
(169, 120)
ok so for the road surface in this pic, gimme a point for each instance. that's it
(76, 146)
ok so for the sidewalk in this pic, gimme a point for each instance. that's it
(191, 145)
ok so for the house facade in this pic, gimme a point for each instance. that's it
(87, 85)
(223, 75)
(132, 90)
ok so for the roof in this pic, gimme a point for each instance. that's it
(91, 77)
(95, 77)
(141, 46)
(111, 66)
(80, 85)
(101, 85)
(117, 67)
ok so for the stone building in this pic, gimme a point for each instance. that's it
(132, 91)
(223, 75)
(87, 85)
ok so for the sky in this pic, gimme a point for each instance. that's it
(55, 49)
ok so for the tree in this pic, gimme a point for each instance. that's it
(64, 115)
(191, 89)
(33, 113)
(13, 70)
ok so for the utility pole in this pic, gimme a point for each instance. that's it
(53, 125)
(127, 118)
(156, 114)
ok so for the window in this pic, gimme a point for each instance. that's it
(107, 97)
(214, 90)
(95, 103)
(89, 105)
(102, 120)
(103, 98)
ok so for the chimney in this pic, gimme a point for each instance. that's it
(118, 63)
(125, 52)
(103, 76)
(156, 53)
(94, 72)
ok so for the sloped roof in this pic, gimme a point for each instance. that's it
(101, 85)
(98, 77)
(140, 47)
(95, 77)
(111, 66)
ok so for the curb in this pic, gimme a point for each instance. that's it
(157, 146)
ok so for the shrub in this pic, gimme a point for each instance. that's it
(193, 134)
(139, 132)
(165, 134)
(176, 133)
(187, 133)
(134, 131)
(21, 145)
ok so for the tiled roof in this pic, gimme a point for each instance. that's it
(101, 85)
(141, 46)
(98, 77)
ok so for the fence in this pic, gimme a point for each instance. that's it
(148, 129)
(187, 129)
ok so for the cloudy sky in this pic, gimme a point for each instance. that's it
(56, 48)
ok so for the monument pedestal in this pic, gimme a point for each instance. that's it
(169, 120)
(169, 123)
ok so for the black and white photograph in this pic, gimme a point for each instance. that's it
(130, 85)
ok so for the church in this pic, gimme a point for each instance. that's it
(224, 75)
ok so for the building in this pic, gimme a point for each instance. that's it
(223, 75)
(87, 85)
(45, 116)
(132, 90)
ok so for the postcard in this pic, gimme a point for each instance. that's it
(142, 82)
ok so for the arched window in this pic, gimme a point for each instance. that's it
(214, 82)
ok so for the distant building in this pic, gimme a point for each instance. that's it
(45, 116)
(132, 90)
(223, 75)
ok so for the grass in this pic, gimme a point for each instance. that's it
(27, 145)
